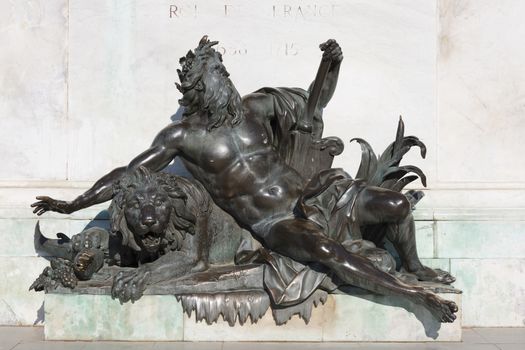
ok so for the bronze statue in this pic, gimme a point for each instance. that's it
(163, 225)
(263, 161)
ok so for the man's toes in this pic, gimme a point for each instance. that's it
(450, 279)
(452, 306)
(445, 277)
(449, 318)
(449, 308)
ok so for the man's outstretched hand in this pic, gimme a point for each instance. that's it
(46, 203)
(331, 51)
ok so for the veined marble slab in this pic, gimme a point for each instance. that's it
(123, 58)
(493, 291)
(18, 305)
(98, 317)
(33, 85)
(481, 91)
(154, 317)
(480, 239)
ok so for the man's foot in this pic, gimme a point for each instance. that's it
(442, 309)
(433, 275)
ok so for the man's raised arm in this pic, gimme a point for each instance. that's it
(163, 150)
(331, 51)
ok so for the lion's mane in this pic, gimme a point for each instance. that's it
(189, 201)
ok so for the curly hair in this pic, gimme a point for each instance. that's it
(203, 72)
(189, 201)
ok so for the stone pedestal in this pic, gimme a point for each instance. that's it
(352, 318)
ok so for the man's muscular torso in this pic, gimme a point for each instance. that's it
(238, 165)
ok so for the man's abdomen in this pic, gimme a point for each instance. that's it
(257, 187)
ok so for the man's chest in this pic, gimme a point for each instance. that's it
(221, 147)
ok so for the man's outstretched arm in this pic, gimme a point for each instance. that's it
(157, 157)
(331, 51)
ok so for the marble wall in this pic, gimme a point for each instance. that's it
(86, 85)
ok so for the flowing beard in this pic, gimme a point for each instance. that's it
(216, 95)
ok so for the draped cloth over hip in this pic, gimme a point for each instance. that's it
(328, 200)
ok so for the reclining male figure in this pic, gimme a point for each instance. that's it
(226, 143)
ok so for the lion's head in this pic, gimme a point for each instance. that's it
(206, 87)
(154, 211)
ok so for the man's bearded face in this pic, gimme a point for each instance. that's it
(205, 60)
(206, 87)
(197, 68)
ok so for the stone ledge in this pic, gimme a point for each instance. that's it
(363, 318)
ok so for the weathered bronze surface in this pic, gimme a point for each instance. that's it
(263, 192)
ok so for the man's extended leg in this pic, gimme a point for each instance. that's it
(303, 241)
(381, 206)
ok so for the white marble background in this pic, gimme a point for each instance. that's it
(85, 86)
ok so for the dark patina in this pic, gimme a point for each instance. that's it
(260, 163)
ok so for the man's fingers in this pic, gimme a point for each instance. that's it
(332, 50)
(334, 53)
(326, 44)
(329, 42)
(40, 208)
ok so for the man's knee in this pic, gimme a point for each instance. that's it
(377, 205)
(399, 206)
(328, 250)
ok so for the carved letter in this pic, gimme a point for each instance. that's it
(290, 49)
(287, 9)
(300, 11)
(226, 9)
(173, 11)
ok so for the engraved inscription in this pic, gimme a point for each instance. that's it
(285, 49)
(232, 50)
(304, 11)
(227, 10)
(178, 11)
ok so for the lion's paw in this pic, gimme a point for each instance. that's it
(130, 285)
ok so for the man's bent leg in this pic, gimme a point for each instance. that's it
(403, 237)
(303, 241)
(381, 206)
